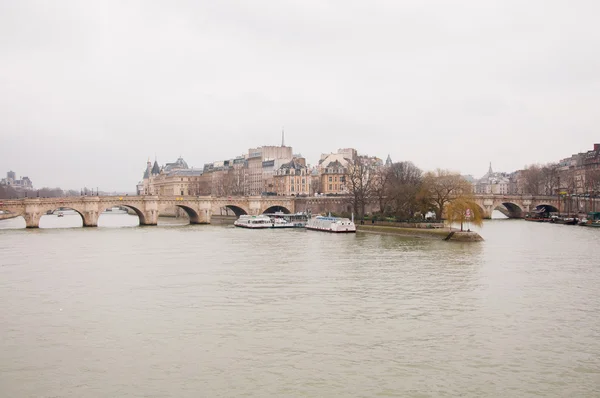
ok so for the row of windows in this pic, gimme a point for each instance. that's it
(335, 179)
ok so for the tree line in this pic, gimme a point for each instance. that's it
(547, 179)
(403, 191)
(9, 192)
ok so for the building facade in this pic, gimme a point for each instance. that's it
(293, 178)
(23, 183)
(496, 183)
(172, 179)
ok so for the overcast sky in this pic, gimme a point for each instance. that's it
(90, 89)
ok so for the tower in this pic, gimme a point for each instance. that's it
(388, 161)
(282, 137)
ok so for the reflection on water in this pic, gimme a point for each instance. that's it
(187, 311)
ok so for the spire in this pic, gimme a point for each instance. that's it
(155, 168)
(490, 172)
(282, 137)
(388, 161)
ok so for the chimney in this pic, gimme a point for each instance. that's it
(596, 147)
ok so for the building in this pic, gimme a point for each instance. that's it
(293, 178)
(261, 165)
(579, 173)
(174, 179)
(333, 171)
(495, 183)
(20, 184)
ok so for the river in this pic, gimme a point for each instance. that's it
(214, 311)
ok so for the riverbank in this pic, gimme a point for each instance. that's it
(437, 233)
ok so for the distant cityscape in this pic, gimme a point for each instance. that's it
(277, 170)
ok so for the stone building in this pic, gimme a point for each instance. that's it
(496, 183)
(293, 178)
(333, 171)
(580, 173)
(261, 165)
(175, 179)
(11, 180)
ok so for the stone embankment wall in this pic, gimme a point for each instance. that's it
(333, 204)
(440, 233)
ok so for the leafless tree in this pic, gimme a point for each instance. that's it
(533, 180)
(404, 184)
(550, 179)
(315, 185)
(441, 186)
(381, 187)
(361, 175)
(592, 180)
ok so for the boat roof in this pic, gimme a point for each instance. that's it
(327, 218)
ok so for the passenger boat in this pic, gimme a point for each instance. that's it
(254, 222)
(331, 224)
(272, 220)
(296, 220)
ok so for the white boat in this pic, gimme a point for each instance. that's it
(272, 220)
(254, 222)
(296, 220)
(331, 224)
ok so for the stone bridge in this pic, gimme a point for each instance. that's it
(148, 208)
(200, 209)
(515, 206)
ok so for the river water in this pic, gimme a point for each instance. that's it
(214, 311)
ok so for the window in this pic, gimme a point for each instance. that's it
(330, 179)
(330, 185)
(335, 178)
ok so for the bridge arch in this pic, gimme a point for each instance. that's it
(237, 210)
(276, 208)
(191, 213)
(549, 208)
(56, 211)
(513, 210)
(137, 211)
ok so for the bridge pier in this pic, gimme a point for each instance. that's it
(32, 219)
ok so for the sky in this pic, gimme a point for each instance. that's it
(90, 90)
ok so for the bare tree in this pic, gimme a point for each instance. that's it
(315, 185)
(381, 188)
(360, 184)
(442, 186)
(550, 179)
(533, 180)
(592, 180)
(405, 182)
(8, 192)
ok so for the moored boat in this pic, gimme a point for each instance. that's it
(593, 220)
(272, 220)
(331, 224)
(296, 220)
(254, 222)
